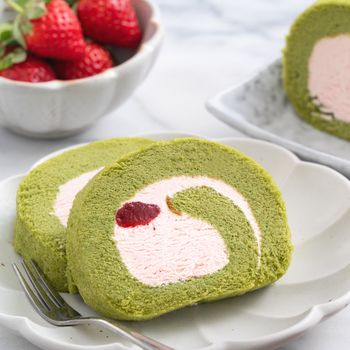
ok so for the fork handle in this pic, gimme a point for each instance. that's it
(139, 339)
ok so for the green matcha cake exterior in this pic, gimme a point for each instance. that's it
(174, 224)
(45, 197)
(316, 71)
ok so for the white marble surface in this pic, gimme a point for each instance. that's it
(209, 45)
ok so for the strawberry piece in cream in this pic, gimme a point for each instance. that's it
(133, 214)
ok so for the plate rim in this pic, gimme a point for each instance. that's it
(312, 317)
(231, 117)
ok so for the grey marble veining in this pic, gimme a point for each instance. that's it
(209, 45)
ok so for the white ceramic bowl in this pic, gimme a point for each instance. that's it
(62, 108)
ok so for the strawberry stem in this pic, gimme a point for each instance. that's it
(15, 6)
(15, 56)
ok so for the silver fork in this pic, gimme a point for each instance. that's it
(55, 310)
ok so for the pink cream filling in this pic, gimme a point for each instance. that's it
(173, 247)
(67, 193)
(329, 76)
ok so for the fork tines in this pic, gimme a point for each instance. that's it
(40, 293)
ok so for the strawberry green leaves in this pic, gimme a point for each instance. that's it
(17, 55)
(9, 56)
(30, 8)
(27, 10)
(5, 37)
(35, 9)
(21, 26)
(6, 33)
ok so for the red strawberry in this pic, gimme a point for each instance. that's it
(57, 34)
(32, 70)
(111, 22)
(133, 214)
(49, 29)
(96, 60)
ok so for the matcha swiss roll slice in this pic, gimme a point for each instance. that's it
(176, 223)
(317, 66)
(46, 195)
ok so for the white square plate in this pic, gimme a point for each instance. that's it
(259, 108)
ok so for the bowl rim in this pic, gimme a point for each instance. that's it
(145, 47)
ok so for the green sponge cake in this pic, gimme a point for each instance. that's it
(174, 224)
(46, 195)
(317, 66)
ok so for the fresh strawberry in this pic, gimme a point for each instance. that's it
(32, 70)
(48, 28)
(111, 22)
(96, 60)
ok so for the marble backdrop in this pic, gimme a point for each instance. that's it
(209, 45)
